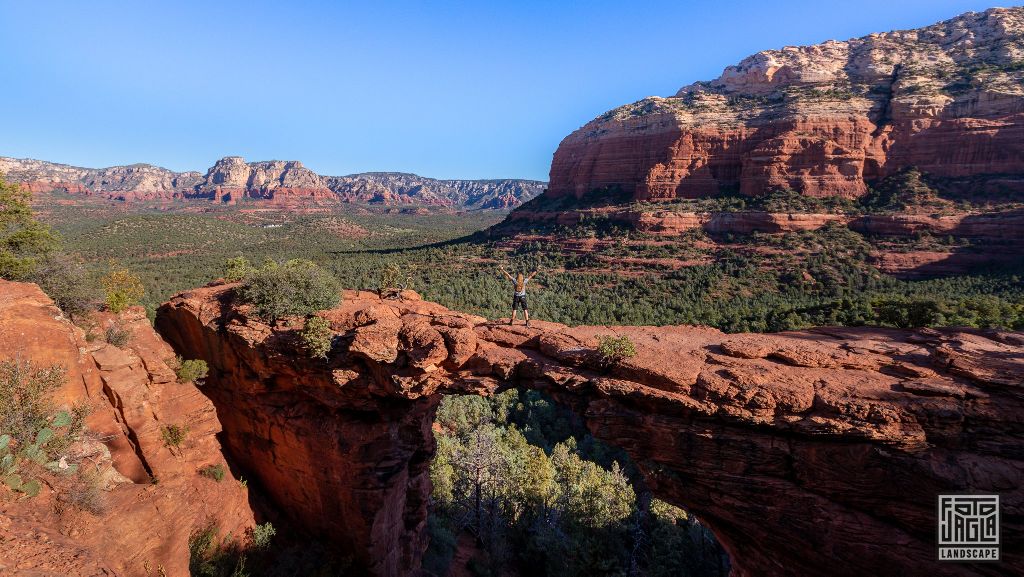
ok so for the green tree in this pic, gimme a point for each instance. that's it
(238, 268)
(297, 287)
(317, 337)
(123, 289)
(24, 241)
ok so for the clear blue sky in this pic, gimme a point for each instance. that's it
(443, 89)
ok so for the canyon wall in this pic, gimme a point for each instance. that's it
(807, 453)
(232, 179)
(823, 120)
(150, 498)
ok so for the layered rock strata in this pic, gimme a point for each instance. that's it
(150, 498)
(812, 452)
(823, 120)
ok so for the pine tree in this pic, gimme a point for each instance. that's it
(24, 241)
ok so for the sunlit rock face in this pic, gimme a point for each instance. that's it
(812, 452)
(823, 120)
(153, 498)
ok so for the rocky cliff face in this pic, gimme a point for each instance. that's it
(154, 497)
(281, 182)
(822, 120)
(808, 453)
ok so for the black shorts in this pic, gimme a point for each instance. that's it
(519, 300)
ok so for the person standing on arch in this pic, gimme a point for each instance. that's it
(519, 294)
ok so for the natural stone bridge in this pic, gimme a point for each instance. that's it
(807, 453)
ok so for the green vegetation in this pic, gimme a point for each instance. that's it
(211, 555)
(34, 435)
(191, 370)
(215, 472)
(122, 289)
(173, 435)
(540, 496)
(238, 268)
(29, 251)
(317, 336)
(296, 288)
(393, 280)
(757, 282)
(24, 241)
(261, 535)
(614, 349)
(117, 336)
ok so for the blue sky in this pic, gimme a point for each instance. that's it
(443, 89)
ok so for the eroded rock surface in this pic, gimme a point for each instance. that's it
(823, 120)
(152, 498)
(808, 453)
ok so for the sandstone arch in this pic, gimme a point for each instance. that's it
(817, 452)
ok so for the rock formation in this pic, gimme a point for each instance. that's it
(808, 453)
(822, 120)
(232, 179)
(155, 498)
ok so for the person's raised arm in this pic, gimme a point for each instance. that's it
(532, 274)
(505, 272)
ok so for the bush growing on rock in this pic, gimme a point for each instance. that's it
(86, 493)
(192, 370)
(173, 435)
(25, 404)
(117, 336)
(393, 280)
(215, 472)
(261, 535)
(123, 289)
(237, 269)
(297, 287)
(34, 436)
(614, 349)
(65, 281)
(317, 336)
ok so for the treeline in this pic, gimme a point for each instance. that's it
(798, 279)
(536, 495)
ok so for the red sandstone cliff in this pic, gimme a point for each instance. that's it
(822, 120)
(144, 528)
(808, 453)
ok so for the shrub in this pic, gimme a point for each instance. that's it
(86, 493)
(260, 535)
(392, 281)
(317, 336)
(117, 336)
(173, 435)
(238, 268)
(122, 289)
(296, 288)
(215, 472)
(34, 437)
(613, 349)
(25, 405)
(67, 283)
(192, 370)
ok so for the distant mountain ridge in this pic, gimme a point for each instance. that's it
(232, 179)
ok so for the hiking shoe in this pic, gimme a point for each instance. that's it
(527, 322)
